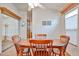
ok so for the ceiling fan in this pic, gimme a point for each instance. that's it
(33, 4)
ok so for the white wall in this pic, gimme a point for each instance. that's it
(23, 29)
(53, 31)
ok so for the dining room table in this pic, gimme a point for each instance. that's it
(57, 43)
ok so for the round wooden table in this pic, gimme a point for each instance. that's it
(56, 44)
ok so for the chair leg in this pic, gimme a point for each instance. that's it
(63, 54)
(55, 54)
(17, 53)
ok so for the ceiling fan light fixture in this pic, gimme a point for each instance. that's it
(33, 3)
(36, 4)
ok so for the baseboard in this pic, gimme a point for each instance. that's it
(68, 53)
(7, 48)
(73, 44)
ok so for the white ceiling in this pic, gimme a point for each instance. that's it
(21, 6)
(52, 6)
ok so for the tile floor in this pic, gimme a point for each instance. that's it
(6, 44)
(73, 50)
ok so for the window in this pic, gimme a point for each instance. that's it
(71, 25)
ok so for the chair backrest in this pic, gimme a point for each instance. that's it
(65, 39)
(15, 40)
(40, 36)
(40, 47)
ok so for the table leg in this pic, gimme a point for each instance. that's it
(62, 51)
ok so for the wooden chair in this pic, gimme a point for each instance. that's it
(16, 39)
(40, 36)
(65, 40)
(41, 47)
